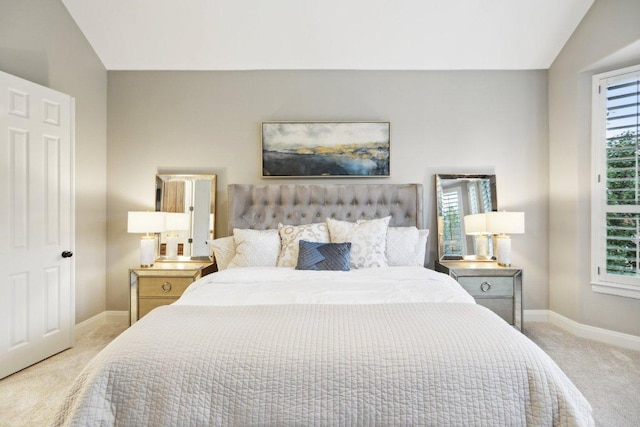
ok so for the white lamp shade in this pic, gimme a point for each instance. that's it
(505, 222)
(475, 224)
(176, 221)
(145, 222)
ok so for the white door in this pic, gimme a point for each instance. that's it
(37, 307)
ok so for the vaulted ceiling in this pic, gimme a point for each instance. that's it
(329, 34)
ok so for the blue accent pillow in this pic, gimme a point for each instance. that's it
(324, 256)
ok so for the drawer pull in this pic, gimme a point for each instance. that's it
(166, 287)
(485, 286)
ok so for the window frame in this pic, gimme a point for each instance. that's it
(601, 281)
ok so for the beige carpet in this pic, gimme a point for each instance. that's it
(31, 397)
(608, 376)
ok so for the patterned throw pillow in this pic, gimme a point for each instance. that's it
(323, 256)
(255, 248)
(290, 235)
(222, 250)
(368, 240)
(406, 246)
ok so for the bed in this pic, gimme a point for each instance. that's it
(263, 342)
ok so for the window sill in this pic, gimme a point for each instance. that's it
(628, 291)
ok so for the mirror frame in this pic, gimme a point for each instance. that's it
(161, 180)
(494, 207)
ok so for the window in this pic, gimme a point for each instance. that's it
(451, 208)
(615, 199)
(455, 207)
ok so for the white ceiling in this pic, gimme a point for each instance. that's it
(327, 34)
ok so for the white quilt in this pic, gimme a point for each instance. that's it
(323, 363)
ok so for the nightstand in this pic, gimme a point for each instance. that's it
(161, 284)
(495, 287)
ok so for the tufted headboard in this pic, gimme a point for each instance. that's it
(264, 206)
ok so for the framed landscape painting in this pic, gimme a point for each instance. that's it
(325, 149)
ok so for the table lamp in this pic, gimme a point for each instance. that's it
(148, 223)
(476, 225)
(502, 224)
(174, 223)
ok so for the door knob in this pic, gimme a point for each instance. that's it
(67, 254)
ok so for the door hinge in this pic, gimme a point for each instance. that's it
(598, 268)
(598, 178)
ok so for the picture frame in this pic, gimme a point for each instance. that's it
(326, 149)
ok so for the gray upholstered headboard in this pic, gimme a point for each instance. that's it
(264, 206)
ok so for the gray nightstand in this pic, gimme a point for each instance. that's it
(497, 288)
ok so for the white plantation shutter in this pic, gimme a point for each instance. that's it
(485, 195)
(473, 200)
(452, 236)
(616, 193)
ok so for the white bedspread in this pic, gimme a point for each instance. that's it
(408, 363)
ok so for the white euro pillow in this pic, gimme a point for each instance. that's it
(222, 250)
(368, 240)
(255, 248)
(421, 252)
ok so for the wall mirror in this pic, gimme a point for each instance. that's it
(190, 201)
(460, 196)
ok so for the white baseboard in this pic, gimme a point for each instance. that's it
(99, 320)
(584, 331)
(120, 317)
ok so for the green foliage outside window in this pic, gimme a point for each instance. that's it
(622, 170)
(452, 232)
(623, 229)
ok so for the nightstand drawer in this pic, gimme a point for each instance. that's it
(145, 305)
(503, 307)
(487, 286)
(163, 286)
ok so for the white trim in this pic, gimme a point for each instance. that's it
(120, 317)
(90, 324)
(72, 212)
(584, 331)
(601, 280)
(619, 289)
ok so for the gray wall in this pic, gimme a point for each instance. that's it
(39, 41)
(610, 25)
(441, 122)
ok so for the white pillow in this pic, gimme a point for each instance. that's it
(222, 251)
(368, 240)
(255, 248)
(290, 236)
(406, 246)
(421, 252)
